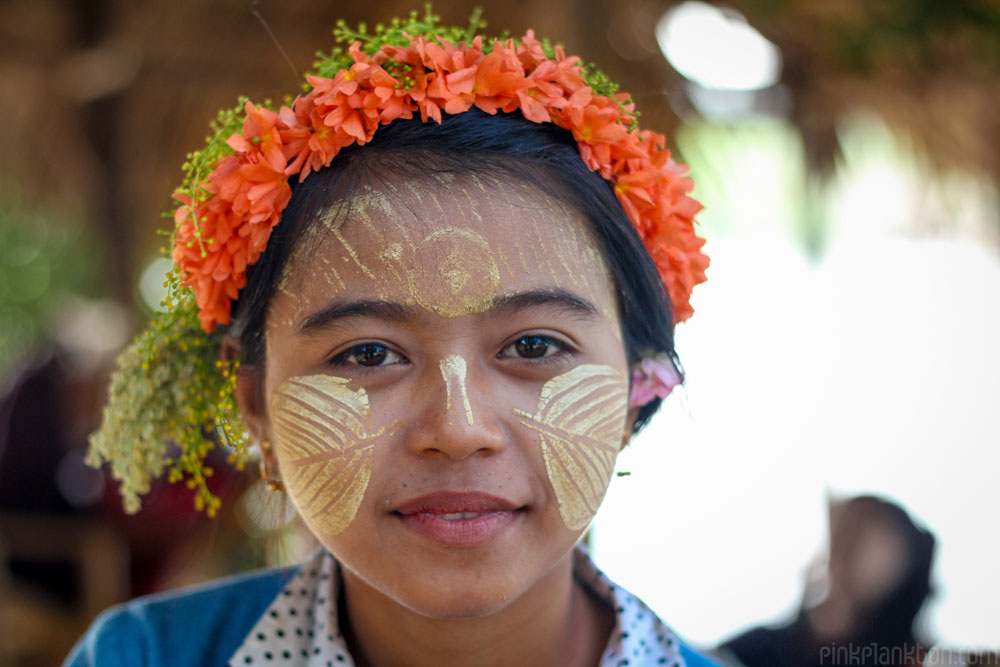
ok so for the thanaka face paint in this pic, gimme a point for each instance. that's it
(580, 422)
(324, 441)
(410, 269)
(453, 372)
(447, 269)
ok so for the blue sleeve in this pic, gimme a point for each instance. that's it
(200, 626)
(116, 639)
(693, 659)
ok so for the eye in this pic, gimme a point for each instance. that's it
(534, 346)
(369, 355)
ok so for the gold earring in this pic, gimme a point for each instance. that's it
(273, 482)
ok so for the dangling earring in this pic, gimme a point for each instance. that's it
(273, 482)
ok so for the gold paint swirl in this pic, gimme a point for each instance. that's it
(453, 371)
(324, 442)
(467, 275)
(580, 421)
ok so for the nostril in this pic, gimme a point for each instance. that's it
(446, 427)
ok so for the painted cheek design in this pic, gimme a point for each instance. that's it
(453, 371)
(580, 421)
(324, 439)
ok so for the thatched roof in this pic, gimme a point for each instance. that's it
(929, 67)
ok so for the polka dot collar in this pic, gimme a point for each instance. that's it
(300, 627)
(639, 636)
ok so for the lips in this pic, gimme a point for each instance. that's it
(446, 502)
(458, 519)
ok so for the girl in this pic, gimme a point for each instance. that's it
(437, 281)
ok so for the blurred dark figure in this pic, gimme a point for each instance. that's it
(67, 550)
(861, 609)
(58, 564)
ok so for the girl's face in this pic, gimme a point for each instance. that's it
(445, 389)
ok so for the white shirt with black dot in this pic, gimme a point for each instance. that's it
(300, 627)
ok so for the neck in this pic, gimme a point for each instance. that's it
(542, 626)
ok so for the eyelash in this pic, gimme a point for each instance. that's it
(562, 349)
(343, 359)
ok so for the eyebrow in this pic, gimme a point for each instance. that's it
(559, 298)
(341, 310)
(390, 311)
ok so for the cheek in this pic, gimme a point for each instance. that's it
(324, 443)
(580, 422)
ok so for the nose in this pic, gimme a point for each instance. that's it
(458, 418)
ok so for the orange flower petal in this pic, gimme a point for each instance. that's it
(248, 190)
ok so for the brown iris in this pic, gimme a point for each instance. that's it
(532, 347)
(366, 354)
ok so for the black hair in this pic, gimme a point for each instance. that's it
(507, 146)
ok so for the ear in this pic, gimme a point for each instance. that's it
(248, 393)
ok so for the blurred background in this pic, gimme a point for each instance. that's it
(843, 368)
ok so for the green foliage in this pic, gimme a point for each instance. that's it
(397, 33)
(917, 33)
(170, 402)
(171, 398)
(40, 260)
(602, 85)
(394, 34)
(198, 165)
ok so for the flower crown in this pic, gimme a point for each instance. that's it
(171, 398)
(224, 232)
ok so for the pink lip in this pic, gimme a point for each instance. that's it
(423, 515)
(451, 502)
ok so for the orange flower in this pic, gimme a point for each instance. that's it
(634, 192)
(530, 51)
(219, 238)
(444, 57)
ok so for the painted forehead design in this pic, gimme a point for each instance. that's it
(448, 250)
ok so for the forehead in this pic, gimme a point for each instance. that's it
(448, 244)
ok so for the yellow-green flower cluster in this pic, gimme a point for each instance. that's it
(393, 34)
(171, 396)
(170, 402)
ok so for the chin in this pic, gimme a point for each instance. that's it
(456, 603)
(450, 592)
